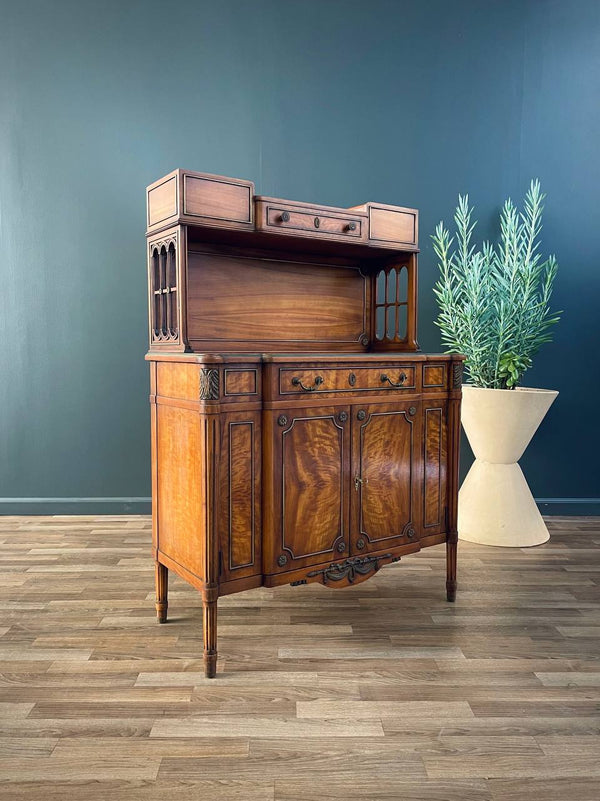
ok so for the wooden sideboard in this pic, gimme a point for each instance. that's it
(298, 434)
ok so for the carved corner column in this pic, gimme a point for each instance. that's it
(209, 394)
(453, 477)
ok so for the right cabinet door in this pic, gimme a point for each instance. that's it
(386, 475)
(435, 467)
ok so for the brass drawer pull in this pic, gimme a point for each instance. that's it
(297, 382)
(401, 379)
(351, 226)
(284, 216)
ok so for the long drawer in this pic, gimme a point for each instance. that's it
(307, 220)
(355, 378)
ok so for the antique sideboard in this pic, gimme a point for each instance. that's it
(298, 434)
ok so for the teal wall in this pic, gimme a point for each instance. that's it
(334, 102)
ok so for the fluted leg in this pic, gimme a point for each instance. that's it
(451, 549)
(162, 589)
(209, 631)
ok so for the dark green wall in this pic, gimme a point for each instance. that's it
(333, 102)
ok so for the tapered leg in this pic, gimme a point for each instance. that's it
(162, 589)
(451, 548)
(209, 631)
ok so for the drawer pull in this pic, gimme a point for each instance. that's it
(297, 382)
(284, 216)
(351, 226)
(401, 379)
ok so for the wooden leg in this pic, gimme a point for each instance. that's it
(209, 630)
(451, 548)
(162, 589)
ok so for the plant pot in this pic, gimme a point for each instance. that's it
(495, 504)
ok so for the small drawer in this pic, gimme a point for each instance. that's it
(346, 379)
(392, 226)
(310, 221)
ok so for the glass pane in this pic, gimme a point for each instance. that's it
(390, 328)
(403, 284)
(402, 320)
(380, 322)
(391, 286)
(380, 294)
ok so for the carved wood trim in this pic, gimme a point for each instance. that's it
(349, 568)
(457, 374)
(209, 383)
(426, 413)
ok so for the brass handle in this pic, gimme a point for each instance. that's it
(358, 481)
(284, 216)
(401, 379)
(351, 226)
(297, 382)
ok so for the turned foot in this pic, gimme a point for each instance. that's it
(451, 548)
(162, 586)
(209, 630)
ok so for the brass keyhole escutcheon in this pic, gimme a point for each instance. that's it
(352, 379)
(317, 222)
(358, 481)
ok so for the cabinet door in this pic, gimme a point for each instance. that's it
(385, 470)
(306, 461)
(435, 467)
(240, 501)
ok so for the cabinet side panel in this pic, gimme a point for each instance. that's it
(180, 487)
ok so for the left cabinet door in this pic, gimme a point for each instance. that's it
(306, 461)
(240, 495)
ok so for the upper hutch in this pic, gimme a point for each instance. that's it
(298, 434)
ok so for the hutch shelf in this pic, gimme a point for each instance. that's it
(298, 434)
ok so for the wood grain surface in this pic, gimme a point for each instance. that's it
(381, 691)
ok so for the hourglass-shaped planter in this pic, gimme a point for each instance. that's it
(495, 504)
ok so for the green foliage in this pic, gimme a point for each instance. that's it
(495, 302)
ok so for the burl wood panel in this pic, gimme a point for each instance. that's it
(240, 481)
(434, 376)
(251, 301)
(180, 487)
(240, 381)
(309, 490)
(384, 447)
(435, 458)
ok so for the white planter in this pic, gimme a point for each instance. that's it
(495, 505)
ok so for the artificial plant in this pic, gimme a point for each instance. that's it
(495, 301)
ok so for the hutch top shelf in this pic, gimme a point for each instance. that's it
(231, 271)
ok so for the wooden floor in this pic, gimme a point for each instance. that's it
(382, 691)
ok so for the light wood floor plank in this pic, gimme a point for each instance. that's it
(379, 692)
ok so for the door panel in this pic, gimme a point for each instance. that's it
(435, 467)
(385, 492)
(306, 491)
